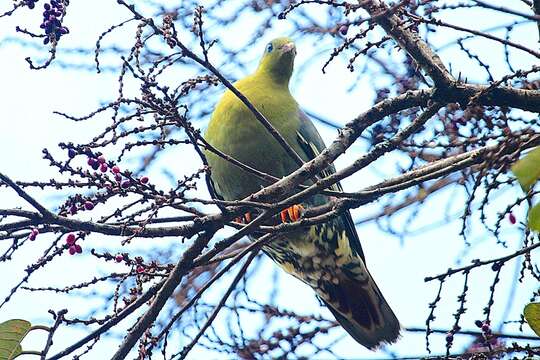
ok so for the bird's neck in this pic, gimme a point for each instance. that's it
(277, 78)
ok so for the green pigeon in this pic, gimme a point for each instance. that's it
(328, 257)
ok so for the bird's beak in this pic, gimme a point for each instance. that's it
(288, 47)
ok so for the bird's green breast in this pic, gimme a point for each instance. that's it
(235, 131)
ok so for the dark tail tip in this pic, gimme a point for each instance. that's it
(362, 311)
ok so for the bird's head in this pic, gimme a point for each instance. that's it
(278, 59)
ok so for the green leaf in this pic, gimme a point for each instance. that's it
(12, 333)
(527, 169)
(534, 218)
(532, 315)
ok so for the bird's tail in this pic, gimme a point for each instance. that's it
(361, 310)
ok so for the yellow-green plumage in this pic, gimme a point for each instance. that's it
(328, 257)
(247, 138)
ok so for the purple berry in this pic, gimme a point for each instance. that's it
(126, 184)
(478, 323)
(91, 161)
(78, 248)
(33, 234)
(512, 218)
(72, 250)
(144, 180)
(115, 169)
(88, 205)
(119, 258)
(72, 153)
(101, 159)
(343, 29)
(449, 338)
(103, 167)
(73, 209)
(118, 177)
(70, 239)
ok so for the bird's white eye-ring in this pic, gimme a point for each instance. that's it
(269, 47)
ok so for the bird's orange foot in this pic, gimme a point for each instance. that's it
(292, 214)
(245, 219)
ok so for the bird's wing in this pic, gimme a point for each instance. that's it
(312, 144)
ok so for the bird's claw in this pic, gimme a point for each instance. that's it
(244, 219)
(292, 214)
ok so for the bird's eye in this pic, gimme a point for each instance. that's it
(269, 47)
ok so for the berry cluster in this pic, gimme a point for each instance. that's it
(488, 341)
(74, 248)
(31, 3)
(484, 326)
(52, 23)
(100, 163)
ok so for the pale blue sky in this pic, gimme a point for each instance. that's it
(27, 125)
